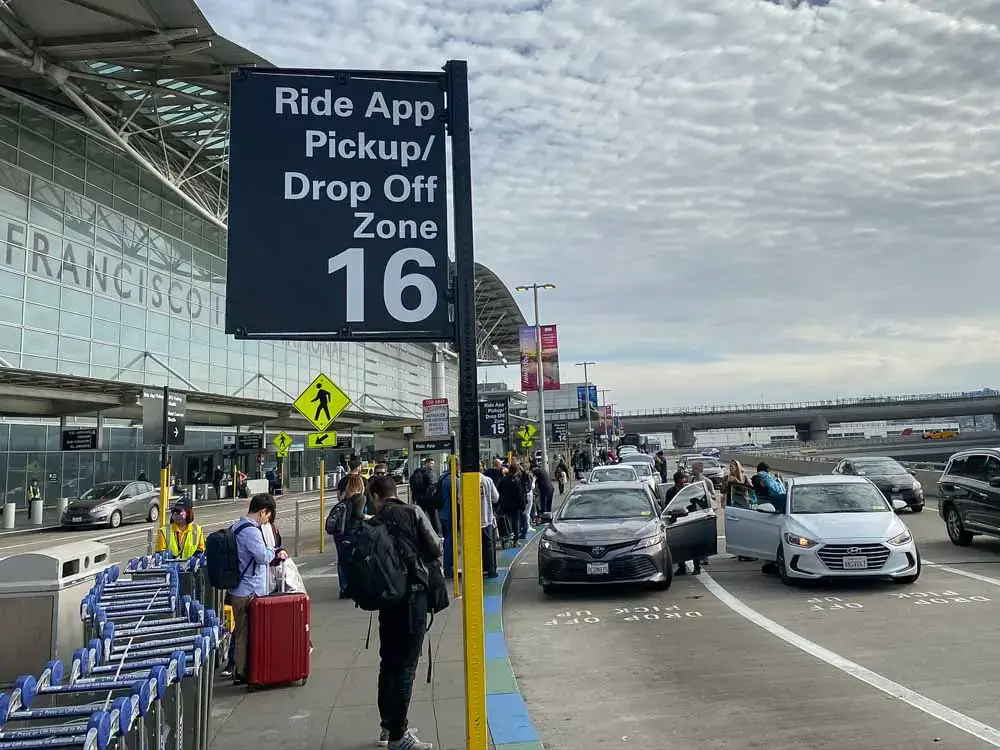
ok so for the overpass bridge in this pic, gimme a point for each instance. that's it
(810, 419)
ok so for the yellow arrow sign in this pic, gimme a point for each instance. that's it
(321, 440)
(322, 402)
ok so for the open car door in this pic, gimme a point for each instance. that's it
(690, 524)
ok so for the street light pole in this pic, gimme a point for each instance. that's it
(539, 377)
(586, 401)
(604, 412)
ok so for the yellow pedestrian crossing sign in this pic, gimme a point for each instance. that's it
(282, 442)
(321, 440)
(527, 435)
(322, 402)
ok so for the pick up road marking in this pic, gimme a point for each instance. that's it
(967, 724)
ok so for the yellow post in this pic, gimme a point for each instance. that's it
(473, 617)
(453, 461)
(322, 506)
(164, 496)
(236, 478)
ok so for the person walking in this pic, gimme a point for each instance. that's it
(402, 625)
(183, 537)
(562, 476)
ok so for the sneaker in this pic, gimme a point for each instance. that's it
(383, 736)
(227, 673)
(410, 741)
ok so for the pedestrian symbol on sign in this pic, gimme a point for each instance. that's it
(323, 397)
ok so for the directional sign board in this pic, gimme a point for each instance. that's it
(282, 442)
(441, 445)
(346, 173)
(153, 413)
(251, 441)
(493, 418)
(80, 439)
(560, 432)
(322, 402)
(527, 435)
(321, 440)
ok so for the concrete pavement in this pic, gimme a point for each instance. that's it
(735, 659)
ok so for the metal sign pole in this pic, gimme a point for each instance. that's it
(165, 460)
(476, 732)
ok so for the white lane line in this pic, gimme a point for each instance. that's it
(960, 572)
(931, 707)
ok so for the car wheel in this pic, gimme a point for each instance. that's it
(154, 513)
(666, 582)
(956, 532)
(782, 567)
(548, 589)
(116, 519)
(917, 508)
(910, 578)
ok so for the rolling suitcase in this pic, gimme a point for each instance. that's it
(279, 640)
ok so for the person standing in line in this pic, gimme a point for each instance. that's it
(402, 625)
(546, 492)
(355, 499)
(488, 496)
(423, 493)
(511, 504)
(527, 479)
(562, 476)
(353, 469)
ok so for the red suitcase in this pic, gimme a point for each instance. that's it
(278, 646)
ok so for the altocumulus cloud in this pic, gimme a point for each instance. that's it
(735, 198)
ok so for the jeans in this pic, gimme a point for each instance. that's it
(545, 500)
(448, 550)
(526, 518)
(344, 543)
(241, 633)
(401, 629)
(489, 552)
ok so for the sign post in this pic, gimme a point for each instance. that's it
(163, 423)
(347, 172)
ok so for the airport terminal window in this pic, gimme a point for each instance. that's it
(74, 324)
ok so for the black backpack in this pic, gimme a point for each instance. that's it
(377, 573)
(759, 488)
(336, 521)
(222, 557)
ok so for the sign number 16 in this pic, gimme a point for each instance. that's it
(394, 282)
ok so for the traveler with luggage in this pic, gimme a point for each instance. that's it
(424, 493)
(344, 520)
(396, 568)
(237, 559)
(183, 537)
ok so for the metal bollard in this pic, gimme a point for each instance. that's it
(150, 541)
(61, 505)
(9, 509)
(35, 512)
(298, 527)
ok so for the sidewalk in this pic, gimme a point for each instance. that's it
(336, 709)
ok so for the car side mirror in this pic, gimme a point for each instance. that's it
(674, 513)
(766, 508)
(898, 504)
(546, 517)
(911, 472)
(995, 482)
(583, 480)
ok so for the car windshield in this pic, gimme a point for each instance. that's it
(885, 467)
(837, 498)
(609, 503)
(707, 462)
(623, 474)
(103, 491)
(643, 470)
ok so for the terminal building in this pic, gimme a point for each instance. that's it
(113, 185)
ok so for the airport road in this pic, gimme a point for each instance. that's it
(735, 659)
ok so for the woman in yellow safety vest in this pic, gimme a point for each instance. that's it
(183, 537)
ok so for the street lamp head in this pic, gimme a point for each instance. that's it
(521, 288)
(548, 286)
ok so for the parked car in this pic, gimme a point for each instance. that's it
(969, 495)
(890, 476)
(711, 468)
(113, 503)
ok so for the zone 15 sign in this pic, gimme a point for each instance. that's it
(344, 179)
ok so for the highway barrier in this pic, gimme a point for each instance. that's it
(143, 678)
(800, 466)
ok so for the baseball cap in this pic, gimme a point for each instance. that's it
(182, 503)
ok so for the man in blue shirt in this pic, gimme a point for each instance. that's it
(255, 557)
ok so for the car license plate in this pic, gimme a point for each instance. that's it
(855, 563)
(597, 569)
(896, 490)
(76, 520)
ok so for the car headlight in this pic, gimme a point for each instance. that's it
(905, 538)
(799, 541)
(549, 544)
(649, 541)
(917, 485)
(100, 510)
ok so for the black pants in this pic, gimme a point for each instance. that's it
(489, 552)
(401, 629)
(545, 500)
(435, 517)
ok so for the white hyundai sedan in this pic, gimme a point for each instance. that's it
(831, 527)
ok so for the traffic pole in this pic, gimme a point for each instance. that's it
(476, 732)
(322, 506)
(165, 460)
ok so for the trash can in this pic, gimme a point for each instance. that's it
(36, 511)
(9, 511)
(40, 594)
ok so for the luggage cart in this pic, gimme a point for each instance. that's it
(100, 732)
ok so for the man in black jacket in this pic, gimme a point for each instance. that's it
(401, 626)
(424, 493)
(543, 483)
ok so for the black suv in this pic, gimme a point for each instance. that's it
(969, 495)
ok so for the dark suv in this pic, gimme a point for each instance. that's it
(969, 495)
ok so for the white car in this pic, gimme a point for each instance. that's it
(831, 527)
(612, 473)
(644, 469)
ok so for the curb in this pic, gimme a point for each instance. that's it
(506, 711)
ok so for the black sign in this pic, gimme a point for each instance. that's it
(250, 442)
(347, 175)
(441, 445)
(494, 418)
(81, 439)
(560, 432)
(153, 413)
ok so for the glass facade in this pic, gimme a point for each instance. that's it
(99, 264)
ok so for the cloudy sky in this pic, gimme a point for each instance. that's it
(736, 199)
